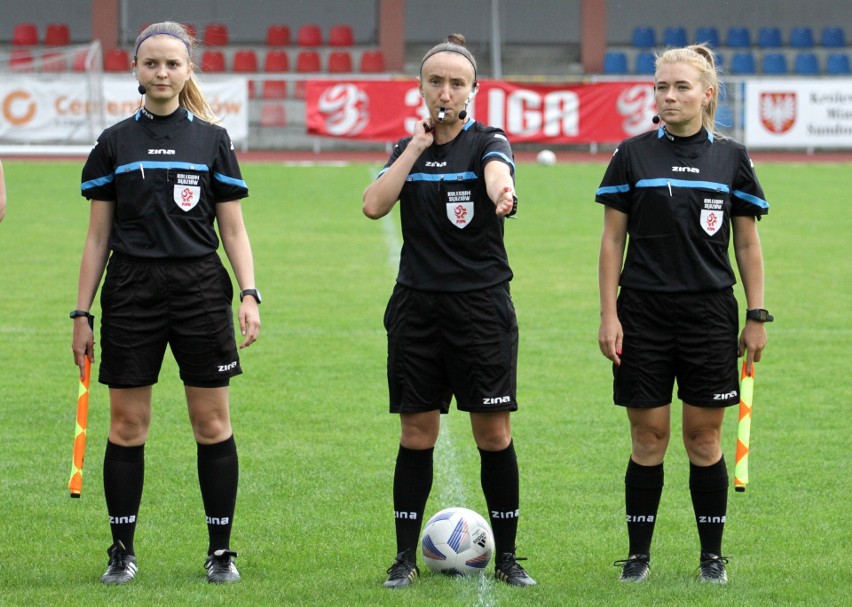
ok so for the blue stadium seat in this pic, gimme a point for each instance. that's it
(769, 37)
(806, 64)
(802, 37)
(644, 37)
(708, 35)
(646, 63)
(774, 63)
(837, 64)
(675, 35)
(739, 37)
(742, 63)
(615, 62)
(833, 37)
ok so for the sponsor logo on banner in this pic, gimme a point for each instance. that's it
(711, 221)
(186, 196)
(460, 214)
(778, 111)
(346, 109)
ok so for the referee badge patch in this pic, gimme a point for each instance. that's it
(187, 196)
(460, 214)
(711, 220)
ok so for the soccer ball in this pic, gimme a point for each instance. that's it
(457, 541)
(546, 157)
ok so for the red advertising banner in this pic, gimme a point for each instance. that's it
(386, 110)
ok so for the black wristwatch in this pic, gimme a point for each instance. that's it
(79, 313)
(253, 292)
(760, 315)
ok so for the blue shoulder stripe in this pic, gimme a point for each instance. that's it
(751, 199)
(502, 156)
(612, 189)
(160, 164)
(96, 183)
(662, 182)
(448, 177)
(230, 180)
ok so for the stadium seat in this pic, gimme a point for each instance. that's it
(25, 34)
(53, 62)
(213, 61)
(644, 37)
(372, 62)
(806, 64)
(278, 35)
(341, 35)
(837, 64)
(57, 34)
(190, 30)
(742, 63)
(739, 37)
(21, 60)
(774, 63)
(216, 34)
(339, 62)
(274, 89)
(309, 35)
(615, 62)
(833, 37)
(273, 114)
(276, 61)
(802, 37)
(645, 63)
(244, 61)
(708, 35)
(675, 35)
(769, 37)
(308, 61)
(117, 60)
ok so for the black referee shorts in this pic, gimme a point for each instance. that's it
(689, 338)
(147, 304)
(442, 345)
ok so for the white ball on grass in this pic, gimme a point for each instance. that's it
(546, 158)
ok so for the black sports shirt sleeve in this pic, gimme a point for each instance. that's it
(747, 194)
(227, 181)
(98, 182)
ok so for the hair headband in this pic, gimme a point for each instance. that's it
(448, 49)
(188, 49)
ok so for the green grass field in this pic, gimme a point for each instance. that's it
(314, 516)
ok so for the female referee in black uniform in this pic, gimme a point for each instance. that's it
(450, 320)
(157, 181)
(678, 192)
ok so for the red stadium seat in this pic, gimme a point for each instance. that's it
(53, 62)
(213, 61)
(57, 34)
(278, 35)
(339, 62)
(309, 35)
(191, 30)
(341, 35)
(25, 34)
(21, 60)
(216, 34)
(372, 62)
(245, 62)
(276, 61)
(274, 89)
(117, 60)
(273, 114)
(308, 61)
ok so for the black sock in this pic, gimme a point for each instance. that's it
(709, 488)
(500, 484)
(124, 476)
(412, 482)
(218, 476)
(643, 486)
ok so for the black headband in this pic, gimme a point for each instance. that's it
(447, 47)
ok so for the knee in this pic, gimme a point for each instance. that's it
(650, 442)
(210, 429)
(703, 446)
(128, 430)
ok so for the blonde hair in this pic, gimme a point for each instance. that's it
(191, 97)
(453, 44)
(702, 59)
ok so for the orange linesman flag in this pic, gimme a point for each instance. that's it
(75, 484)
(744, 429)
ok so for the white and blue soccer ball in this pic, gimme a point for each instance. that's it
(546, 158)
(457, 541)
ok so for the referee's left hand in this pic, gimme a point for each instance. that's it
(249, 316)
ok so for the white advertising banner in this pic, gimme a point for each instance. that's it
(61, 110)
(795, 113)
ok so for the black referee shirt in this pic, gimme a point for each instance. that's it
(452, 236)
(165, 176)
(680, 194)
